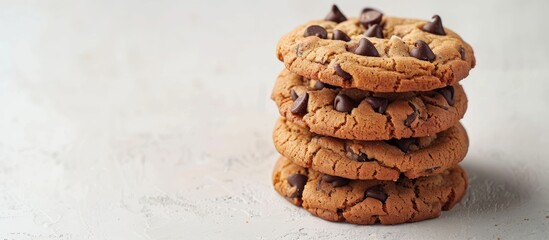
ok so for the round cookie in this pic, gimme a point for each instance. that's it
(369, 201)
(373, 116)
(381, 160)
(379, 53)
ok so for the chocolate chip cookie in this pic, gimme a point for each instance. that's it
(381, 160)
(369, 201)
(377, 53)
(351, 113)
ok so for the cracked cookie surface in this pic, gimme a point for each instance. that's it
(381, 160)
(369, 201)
(394, 64)
(434, 112)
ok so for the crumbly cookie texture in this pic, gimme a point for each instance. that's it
(412, 114)
(369, 201)
(405, 57)
(381, 160)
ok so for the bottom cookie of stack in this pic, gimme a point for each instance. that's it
(369, 201)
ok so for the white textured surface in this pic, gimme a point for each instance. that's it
(152, 120)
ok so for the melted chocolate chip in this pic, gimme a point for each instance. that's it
(335, 180)
(300, 104)
(448, 94)
(340, 72)
(378, 104)
(462, 53)
(422, 51)
(293, 95)
(340, 35)
(374, 31)
(401, 181)
(435, 26)
(298, 181)
(316, 30)
(320, 85)
(369, 17)
(403, 144)
(366, 48)
(335, 15)
(410, 119)
(361, 157)
(376, 192)
(343, 103)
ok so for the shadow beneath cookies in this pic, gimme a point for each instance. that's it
(492, 189)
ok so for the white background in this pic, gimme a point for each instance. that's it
(152, 120)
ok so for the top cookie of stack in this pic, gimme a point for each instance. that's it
(377, 53)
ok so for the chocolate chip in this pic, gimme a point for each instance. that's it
(298, 181)
(370, 16)
(360, 157)
(335, 180)
(434, 27)
(448, 94)
(293, 95)
(401, 181)
(366, 48)
(403, 144)
(377, 193)
(340, 35)
(300, 104)
(320, 85)
(378, 104)
(335, 15)
(343, 103)
(340, 72)
(316, 30)
(462, 53)
(410, 119)
(422, 51)
(374, 31)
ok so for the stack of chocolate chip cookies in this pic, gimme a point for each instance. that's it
(370, 108)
